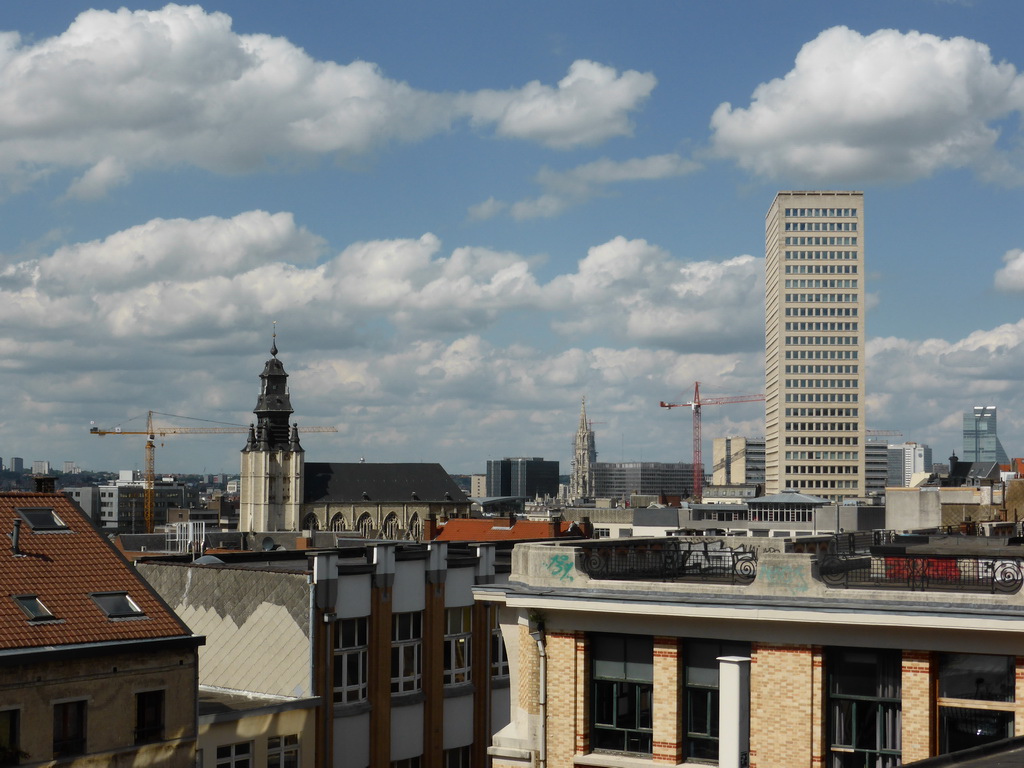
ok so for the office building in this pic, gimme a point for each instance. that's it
(737, 460)
(907, 460)
(981, 442)
(17, 464)
(40, 467)
(814, 344)
(620, 480)
(528, 477)
(876, 467)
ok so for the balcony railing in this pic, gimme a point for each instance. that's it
(668, 560)
(923, 572)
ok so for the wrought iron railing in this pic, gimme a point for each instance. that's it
(669, 560)
(923, 572)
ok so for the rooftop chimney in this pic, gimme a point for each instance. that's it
(45, 484)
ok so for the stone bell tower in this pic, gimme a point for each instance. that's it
(272, 460)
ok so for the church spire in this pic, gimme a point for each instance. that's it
(581, 482)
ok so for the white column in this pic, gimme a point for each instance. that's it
(733, 712)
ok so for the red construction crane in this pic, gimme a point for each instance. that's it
(695, 404)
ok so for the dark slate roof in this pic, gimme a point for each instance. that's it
(667, 517)
(359, 482)
(790, 498)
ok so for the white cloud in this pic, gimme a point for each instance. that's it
(124, 90)
(576, 186)
(885, 106)
(1011, 276)
(636, 292)
(100, 179)
(590, 104)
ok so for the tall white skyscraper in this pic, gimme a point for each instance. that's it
(814, 344)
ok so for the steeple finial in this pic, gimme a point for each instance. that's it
(273, 343)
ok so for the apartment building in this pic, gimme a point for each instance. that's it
(846, 651)
(814, 344)
(370, 654)
(94, 667)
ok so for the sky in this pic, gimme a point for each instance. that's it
(465, 217)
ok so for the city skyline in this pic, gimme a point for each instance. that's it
(465, 219)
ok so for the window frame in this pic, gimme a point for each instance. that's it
(499, 653)
(10, 736)
(235, 757)
(406, 652)
(622, 696)
(150, 715)
(458, 645)
(351, 660)
(982, 709)
(117, 605)
(845, 708)
(70, 728)
(34, 608)
(283, 751)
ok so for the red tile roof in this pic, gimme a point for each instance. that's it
(62, 568)
(498, 529)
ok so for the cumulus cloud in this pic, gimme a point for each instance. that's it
(929, 383)
(885, 106)
(589, 105)
(1011, 276)
(124, 90)
(409, 346)
(637, 292)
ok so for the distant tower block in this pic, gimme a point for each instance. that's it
(581, 483)
(814, 344)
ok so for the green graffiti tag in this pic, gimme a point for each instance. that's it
(561, 566)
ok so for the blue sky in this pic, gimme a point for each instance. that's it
(464, 217)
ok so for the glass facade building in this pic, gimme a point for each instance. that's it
(981, 443)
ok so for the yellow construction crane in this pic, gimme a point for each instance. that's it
(152, 430)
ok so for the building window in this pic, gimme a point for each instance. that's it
(34, 608)
(458, 640)
(149, 716)
(976, 696)
(69, 728)
(10, 737)
(409, 762)
(234, 755)
(602, 533)
(499, 655)
(700, 694)
(622, 689)
(283, 751)
(460, 757)
(406, 651)
(350, 660)
(116, 605)
(864, 707)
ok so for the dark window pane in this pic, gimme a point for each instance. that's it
(976, 676)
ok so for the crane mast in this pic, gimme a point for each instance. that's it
(695, 405)
(152, 430)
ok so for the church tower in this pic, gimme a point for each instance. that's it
(272, 460)
(581, 484)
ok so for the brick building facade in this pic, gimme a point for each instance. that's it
(682, 651)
